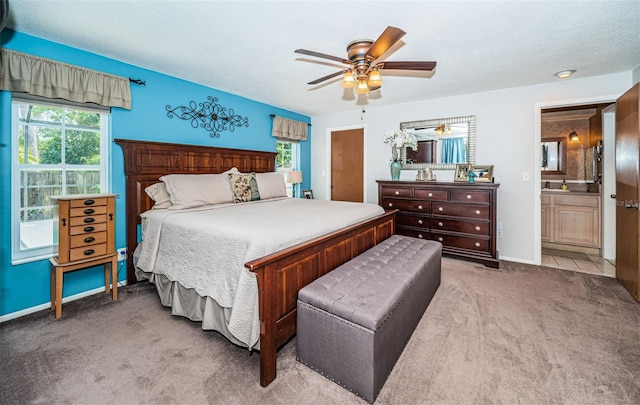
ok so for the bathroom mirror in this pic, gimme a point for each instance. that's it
(553, 155)
(442, 143)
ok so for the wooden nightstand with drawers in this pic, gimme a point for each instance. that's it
(85, 233)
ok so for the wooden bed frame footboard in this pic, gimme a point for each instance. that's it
(280, 275)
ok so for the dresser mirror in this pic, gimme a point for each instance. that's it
(442, 143)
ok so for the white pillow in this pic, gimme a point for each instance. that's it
(271, 185)
(195, 190)
(233, 170)
(158, 193)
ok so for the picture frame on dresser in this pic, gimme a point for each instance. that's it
(484, 173)
(461, 172)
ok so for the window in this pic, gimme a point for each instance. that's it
(57, 149)
(286, 159)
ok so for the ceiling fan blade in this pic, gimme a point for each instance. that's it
(390, 36)
(327, 77)
(407, 65)
(322, 55)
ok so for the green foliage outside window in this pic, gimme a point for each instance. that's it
(43, 131)
(284, 159)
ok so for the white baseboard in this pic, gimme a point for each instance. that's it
(514, 259)
(40, 307)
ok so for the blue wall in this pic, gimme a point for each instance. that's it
(27, 285)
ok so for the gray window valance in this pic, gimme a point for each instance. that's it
(24, 73)
(289, 129)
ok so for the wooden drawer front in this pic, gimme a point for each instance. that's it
(406, 205)
(414, 233)
(461, 210)
(79, 212)
(412, 220)
(87, 252)
(87, 220)
(475, 228)
(545, 199)
(87, 228)
(88, 239)
(88, 202)
(478, 244)
(426, 194)
(397, 192)
(470, 196)
(577, 200)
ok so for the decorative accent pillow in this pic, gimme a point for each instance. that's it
(271, 185)
(195, 190)
(158, 193)
(244, 187)
(233, 170)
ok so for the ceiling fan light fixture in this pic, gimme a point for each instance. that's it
(362, 87)
(375, 79)
(348, 81)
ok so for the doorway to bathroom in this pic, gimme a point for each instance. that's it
(577, 165)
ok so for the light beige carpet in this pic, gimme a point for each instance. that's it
(518, 335)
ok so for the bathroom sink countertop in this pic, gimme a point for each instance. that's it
(576, 192)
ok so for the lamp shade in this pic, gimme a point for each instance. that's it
(573, 137)
(375, 80)
(362, 87)
(348, 81)
(294, 176)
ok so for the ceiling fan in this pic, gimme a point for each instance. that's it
(363, 71)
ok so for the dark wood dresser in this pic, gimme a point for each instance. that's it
(460, 215)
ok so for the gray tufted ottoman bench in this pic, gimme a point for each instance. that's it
(354, 322)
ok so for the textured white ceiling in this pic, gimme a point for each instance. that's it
(246, 47)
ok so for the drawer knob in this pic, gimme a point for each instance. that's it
(89, 211)
(477, 244)
(419, 207)
(420, 221)
(89, 202)
(89, 252)
(440, 239)
(420, 235)
(89, 229)
(89, 239)
(478, 212)
(89, 220)
(430, 194)
(440, 224)
(397, 192)
(440, 209)
(468, 196)
(390, 204)
(477, 228)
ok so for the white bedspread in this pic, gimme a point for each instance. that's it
(206, 248)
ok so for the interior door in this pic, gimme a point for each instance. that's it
(627, 174)
(347, 165)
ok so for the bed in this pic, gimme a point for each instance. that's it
(281, 274)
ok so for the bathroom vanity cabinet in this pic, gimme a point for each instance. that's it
(571, 219)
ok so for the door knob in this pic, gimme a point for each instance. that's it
(633, 205)
(613, 196)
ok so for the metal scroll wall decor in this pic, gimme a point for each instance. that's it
(209, 115)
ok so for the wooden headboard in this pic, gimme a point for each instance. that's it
(145, 162)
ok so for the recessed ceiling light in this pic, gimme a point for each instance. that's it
(565, 74)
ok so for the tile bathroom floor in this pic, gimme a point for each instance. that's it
(577, 261)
